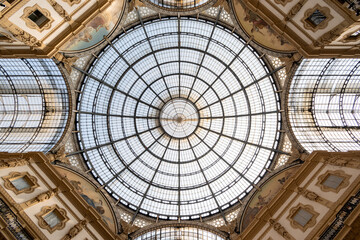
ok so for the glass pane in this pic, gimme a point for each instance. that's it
(20, 183)
(333, 181)
(52, 219)
(302, 217)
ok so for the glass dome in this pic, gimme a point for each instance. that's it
(175, 5)
(179, 233)
(178, 118)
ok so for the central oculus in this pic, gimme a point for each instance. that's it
(179, 118)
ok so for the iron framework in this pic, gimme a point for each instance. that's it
(324, 105)
(34, 105)
(149, 170)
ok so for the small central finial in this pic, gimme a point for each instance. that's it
(179, 119)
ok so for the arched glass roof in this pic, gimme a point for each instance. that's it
(179, 5)
(34, 105)
(324, 104)
(178, 118)
(179, 233)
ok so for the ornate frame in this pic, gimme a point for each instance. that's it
(283, 2)
(32, 181)
(59, 212)
(324, 10)
(293, 211)
(30, 23)
(6, 38)
(349, 38)
(339, 173)
(72, 2)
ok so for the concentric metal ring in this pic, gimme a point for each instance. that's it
(144, 75)
(179, 118)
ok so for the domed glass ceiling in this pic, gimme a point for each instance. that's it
(178, 118)
(176, 5)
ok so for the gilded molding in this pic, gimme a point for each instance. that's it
(31, 180)
(60, 10)
(348, 38)
(72, 2)
(75, 230)
(342, 162)
(30, 23)
(345, 182)
(307, 208)
(314, 197)
(295, 9)
(68, 62)
(283, 2)
(10, 163)
(46, 210)
(330, 36)
(324, 10)
(7, 37)
(280, 229)
(40, 198)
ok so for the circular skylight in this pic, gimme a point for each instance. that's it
(178, 118)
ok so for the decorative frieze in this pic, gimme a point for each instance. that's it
(60, 10)
(75, 230)
(280, 229)
(314, 197)
(40, 198)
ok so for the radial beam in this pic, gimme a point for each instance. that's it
(206, 49)
(150, 183)
(245, 142)
(112, 87)
(152, 50)
(111, 142)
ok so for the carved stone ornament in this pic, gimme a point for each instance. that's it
(294, 10)
(282, 2)
(350, 38)
(29, 10)
(30, 180)
(9, 163)
(68, 62)
(280, 229)
(60, 213)
(40, 198)
(339, 173)
(60, 10)
(75, 230)
(293, 211)
(25, 37)
(342, 162)
(60, 155)
(323, 24)
(314, 197)
(72, 2)
(6, 37)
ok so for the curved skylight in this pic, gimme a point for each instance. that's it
(34, 105)
(179, 5)
(178, 118)
(179, 233)
(324, 104)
